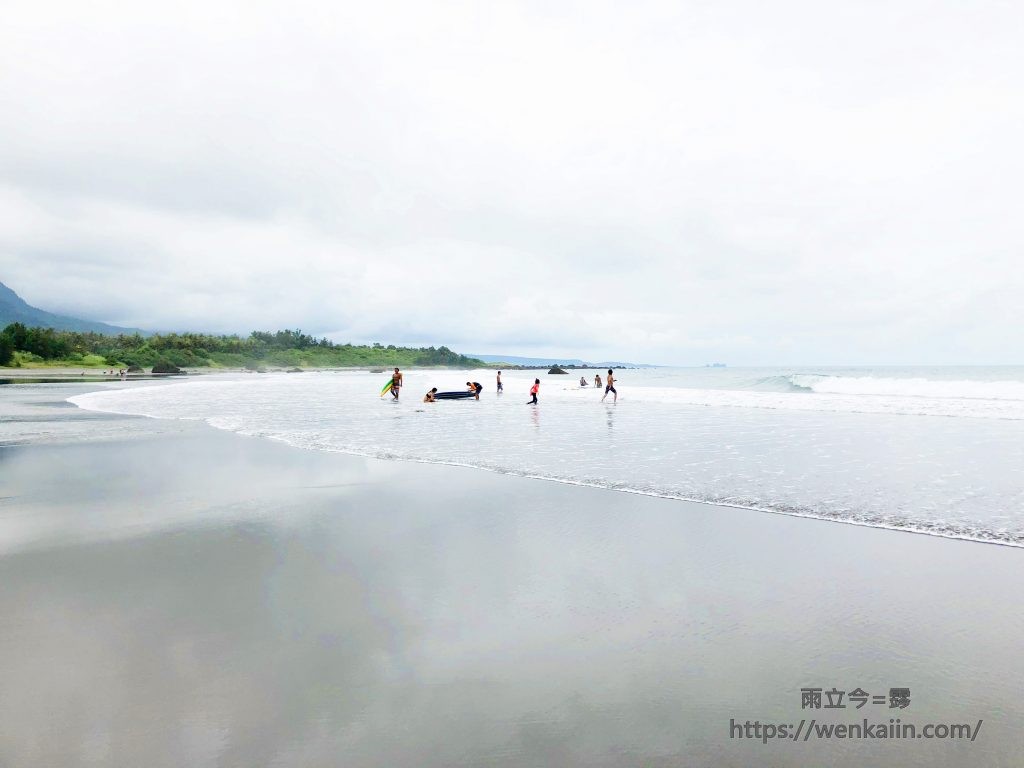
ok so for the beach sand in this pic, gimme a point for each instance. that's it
(204, 599)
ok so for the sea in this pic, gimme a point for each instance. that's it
(937, 451)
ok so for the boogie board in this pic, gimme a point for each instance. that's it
(387, 388)
(453, 395)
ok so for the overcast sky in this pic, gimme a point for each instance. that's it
(685, 182)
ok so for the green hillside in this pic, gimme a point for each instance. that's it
(21, 345)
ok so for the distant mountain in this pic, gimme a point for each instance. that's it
(14, 309)
(548, 361)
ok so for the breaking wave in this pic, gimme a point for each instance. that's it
(966, 389)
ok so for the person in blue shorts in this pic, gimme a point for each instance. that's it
(609, 386)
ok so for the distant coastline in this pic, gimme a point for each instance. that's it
(36, 339)
(36, 347)
(47, 349)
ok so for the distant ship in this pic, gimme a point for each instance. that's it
(715, 365)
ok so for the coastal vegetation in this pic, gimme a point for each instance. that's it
(25, 346)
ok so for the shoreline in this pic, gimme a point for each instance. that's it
(188, 425)
(797, 513)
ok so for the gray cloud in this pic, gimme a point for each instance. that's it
(674, 182)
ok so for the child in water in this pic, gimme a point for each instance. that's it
(533, 392)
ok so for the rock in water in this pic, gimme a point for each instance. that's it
(163, 366)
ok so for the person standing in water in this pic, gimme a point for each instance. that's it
(500, 388)
(396, 383)
(610, 387)
(533, 392)
(475, 387)
(597, 380)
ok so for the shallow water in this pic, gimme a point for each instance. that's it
(936, 450)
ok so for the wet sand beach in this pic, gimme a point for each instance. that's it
(194, 597)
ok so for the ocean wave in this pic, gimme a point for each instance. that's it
(803, 398)
(963, 389)
(779, 383)
(805, 392)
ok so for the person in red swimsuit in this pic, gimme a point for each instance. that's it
(533, 392)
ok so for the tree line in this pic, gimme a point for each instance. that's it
(21, 345)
